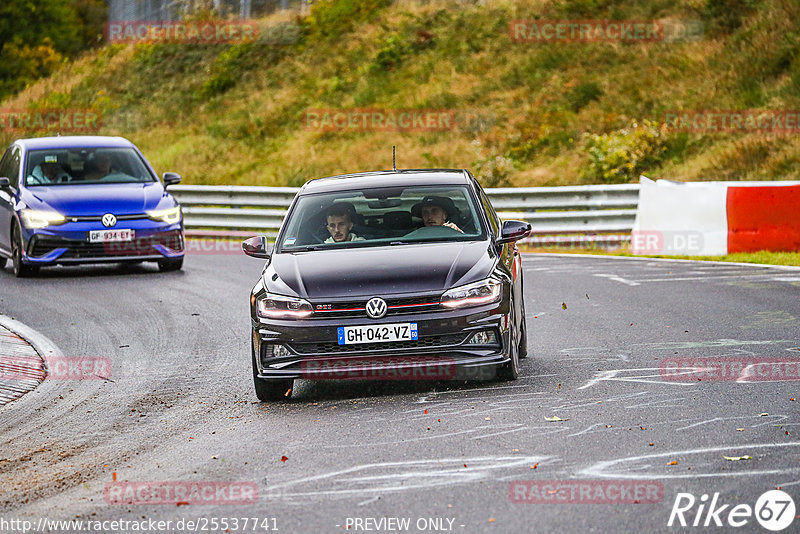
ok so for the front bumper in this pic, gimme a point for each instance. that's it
(69, 243)
(442, 352)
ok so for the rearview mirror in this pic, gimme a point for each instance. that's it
(256, 247)
(5, 183)
(171, 178)
(513, 231)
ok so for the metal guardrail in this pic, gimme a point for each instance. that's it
(591, 209)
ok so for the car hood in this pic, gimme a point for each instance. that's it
(376, 271)
(97, 199)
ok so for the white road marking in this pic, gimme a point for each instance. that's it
(612, 375)
(617, 279)
(605, 468)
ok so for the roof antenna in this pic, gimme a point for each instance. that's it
(394, 166)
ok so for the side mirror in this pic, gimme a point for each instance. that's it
(256, 247)
(171, 178)
(5, 183)
(513, 231)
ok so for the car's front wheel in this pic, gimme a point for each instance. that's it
(510, 370)
(269, 390)
(21, 270)
(166, 266)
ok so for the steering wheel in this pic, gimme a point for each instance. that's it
(427, 232)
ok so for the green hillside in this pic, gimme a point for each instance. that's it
(546, 113)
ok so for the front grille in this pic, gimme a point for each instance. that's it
(143, 246)
(358, 308)
(424, 342)
(98, 218)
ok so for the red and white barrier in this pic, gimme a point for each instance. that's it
(716, 218)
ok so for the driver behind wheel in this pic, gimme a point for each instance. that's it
(437, 211)
(48, 172)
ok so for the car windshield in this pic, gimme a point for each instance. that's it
(381, 217)
(85, 166)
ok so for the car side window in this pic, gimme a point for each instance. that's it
(13, 167)
(4, 164)
(494, 221)
(9, 166)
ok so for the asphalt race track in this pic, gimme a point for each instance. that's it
(179, 405)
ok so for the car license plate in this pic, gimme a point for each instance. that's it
(379, 333)
(111, 236)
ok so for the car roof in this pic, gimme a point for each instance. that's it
(74, 141)
(393, 178)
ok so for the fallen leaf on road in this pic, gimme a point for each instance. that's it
(182, 503)
(534, 466)
(740, 429)
(114, 476)
(563, 305)
(737, 458)
(554, 419)
(284, 458)
(488, 418)
(288, 392)
(673, 462)
(763, 414)
(425, 412)
(491, 520)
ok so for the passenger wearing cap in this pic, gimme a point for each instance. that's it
(48, 172)
(436, 211)
(339, 223)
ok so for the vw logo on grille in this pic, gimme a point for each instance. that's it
(376, 308)
(109, 220)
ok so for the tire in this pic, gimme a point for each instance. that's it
(523, 337)
(269, 390)
(510, 371)
(21, 270)
(166, 266)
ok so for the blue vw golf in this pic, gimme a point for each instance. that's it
(85, 199)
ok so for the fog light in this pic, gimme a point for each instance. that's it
(486, 337)
(279, 351)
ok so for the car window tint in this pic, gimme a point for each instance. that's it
(494, 220)
(380, 217)
(4, 163)
(86, 166)
(12, 172)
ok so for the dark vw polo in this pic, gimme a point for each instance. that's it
(388, 275)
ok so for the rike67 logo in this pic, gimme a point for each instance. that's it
(774, 510)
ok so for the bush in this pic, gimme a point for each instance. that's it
(621, 156)
(491, 170)
(333, 18)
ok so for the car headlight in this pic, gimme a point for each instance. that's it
(40, 218)
(169, 216)
(475, 294)
(279, 307)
